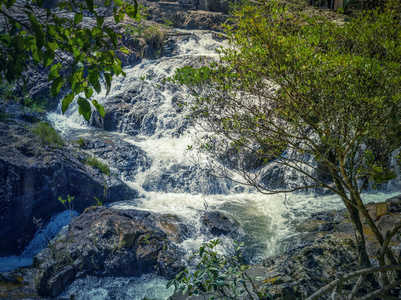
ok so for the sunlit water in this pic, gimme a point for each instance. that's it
(173, 184)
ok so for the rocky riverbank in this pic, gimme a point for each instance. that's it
(108, 242)
(327, 247)
(33, 175)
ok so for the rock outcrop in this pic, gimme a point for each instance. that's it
(34, 175)
(302, 271)
(107, 242)
(219, 224)
(127, 159)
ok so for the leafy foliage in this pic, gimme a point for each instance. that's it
(217, 276)
(94, 162)
(154, 35)
(67, 203)
(306, 93)
(47, 134)
(81, 142)
(46, 36)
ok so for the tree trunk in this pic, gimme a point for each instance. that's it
(363, 257)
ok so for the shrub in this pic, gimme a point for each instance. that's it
(6, 91)
(94, 162)
(81, 142)
(218, 276)
(47, 134)
(154, 35)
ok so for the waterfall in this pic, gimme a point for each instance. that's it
(146, 116)
(143, 116)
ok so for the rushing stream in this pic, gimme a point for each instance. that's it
(170, 183)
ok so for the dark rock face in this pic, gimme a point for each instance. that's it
(128, 159)
(33, 176)
(299, 273)
(394, 204)
(219, 224)
(107, 242)
(190, 14)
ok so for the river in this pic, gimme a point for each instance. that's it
(171, 183)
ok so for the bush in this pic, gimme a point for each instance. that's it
(94, 162)
(47, 134)
(154, 35)
(217, 276)
(6, 92)
(81, 142)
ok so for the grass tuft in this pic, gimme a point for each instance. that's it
(47, 134)
(94, 162)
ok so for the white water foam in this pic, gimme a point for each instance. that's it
(145, 287)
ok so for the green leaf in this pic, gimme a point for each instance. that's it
(107, 77)
(54, 71)
(112, 35)
(36, 54)
(170, 283)
(84, 108)
(89, 5)
(66, 102)
(88, 92)
(56, 86)
(99, 21)
(48, 58)
(97, 87)
(124, 50)
(99, 108)
(78, 18)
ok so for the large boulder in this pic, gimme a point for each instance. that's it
(32, 178)
(302, 271)
(108, 242)
(127, 159)
(219, 224)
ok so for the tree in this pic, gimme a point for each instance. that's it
(53, 37)
(319, 98)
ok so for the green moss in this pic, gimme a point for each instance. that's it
(94, 162)
(47, 134)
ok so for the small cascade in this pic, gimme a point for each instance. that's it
(146, 287)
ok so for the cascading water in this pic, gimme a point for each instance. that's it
(147, 117)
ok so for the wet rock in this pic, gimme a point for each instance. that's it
(106, 242)
(125, 157)
(300, 272)
(219, 224)
(18, 284)
(33, 176)
(394, 204)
